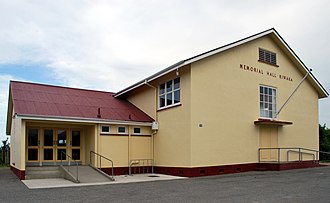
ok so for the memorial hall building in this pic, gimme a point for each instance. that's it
(249, 105)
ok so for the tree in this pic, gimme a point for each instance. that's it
(324, 139)
(4, 151)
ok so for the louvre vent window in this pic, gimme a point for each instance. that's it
(267, 57)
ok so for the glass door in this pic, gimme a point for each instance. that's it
(75, 144)
(49, 144)
(33, 144)
(61, 148)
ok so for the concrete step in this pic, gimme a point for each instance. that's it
(42, 168)
(42, 172)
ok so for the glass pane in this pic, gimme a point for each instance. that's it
(48, 154)
(32, 137)
(169, 99)
(61, 153)
(32, 154)
(162, 101)
(121, 129)
(266, 98)
(61, 138)
(261, 90)
(105, 129)
(76, 138)
(261, 97)
(76, 154)
(266, 90)
(48, 137)
(176, 83)
(137, 130)
(162, 89)
(270, 99)
(169, 86)
(177, 96)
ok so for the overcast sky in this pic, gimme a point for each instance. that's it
(108, 45)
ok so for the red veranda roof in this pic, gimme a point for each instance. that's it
(54, 101)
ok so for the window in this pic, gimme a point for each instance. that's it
(121, 129)
(169, 93)
(105, 129)
(137, 130)
(267, 102)
(267, 56)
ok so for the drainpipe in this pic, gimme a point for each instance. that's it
(154, 132)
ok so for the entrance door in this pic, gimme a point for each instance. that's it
(49, 144)
(33, 144)
(268, 139)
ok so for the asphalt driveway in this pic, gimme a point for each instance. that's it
(301, 185)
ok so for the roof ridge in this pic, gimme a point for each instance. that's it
(59, 86)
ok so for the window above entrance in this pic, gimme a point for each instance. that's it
(267, 101)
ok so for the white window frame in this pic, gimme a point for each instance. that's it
(171, 92)
(139, 132)
(267, 101)
(103, 132)
(122, 132)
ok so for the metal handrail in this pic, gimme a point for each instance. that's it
(62, 152)
(100, 156)
(288, 158)
(138, 161)
(291, 148)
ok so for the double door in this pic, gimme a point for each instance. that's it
(269, 139)
(53, 145)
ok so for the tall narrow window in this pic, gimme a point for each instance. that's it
(169, 93)
(267, 102)
(267, 57)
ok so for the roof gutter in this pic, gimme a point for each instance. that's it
(80, 120)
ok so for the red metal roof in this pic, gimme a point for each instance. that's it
(46, 100)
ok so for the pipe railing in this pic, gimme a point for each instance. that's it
(141, 166)
(299, 150)
(98, 161)
(69, 157)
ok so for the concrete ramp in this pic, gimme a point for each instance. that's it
(87, 174)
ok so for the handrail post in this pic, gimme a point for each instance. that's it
(278, 155)
(259, 154)
(299, 155)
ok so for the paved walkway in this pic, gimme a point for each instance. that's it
(60, 182)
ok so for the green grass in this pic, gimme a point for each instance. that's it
(325, 161)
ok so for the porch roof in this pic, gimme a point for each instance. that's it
(56, 101)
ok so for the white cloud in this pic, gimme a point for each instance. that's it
(110, 44)
(4, 87)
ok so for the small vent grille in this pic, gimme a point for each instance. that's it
(267, 56)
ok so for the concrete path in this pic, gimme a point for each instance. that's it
(60, 182)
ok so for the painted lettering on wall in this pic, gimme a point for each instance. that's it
(262, 72)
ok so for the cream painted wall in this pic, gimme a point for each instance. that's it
(17, 155)
(121, 148)
(225, 100)
(172, 141)
(144, 98)
(90, 141)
